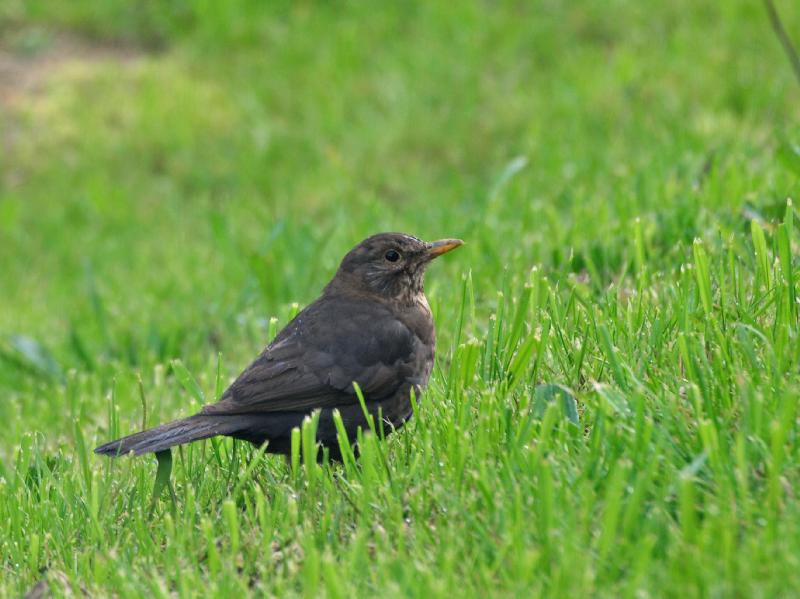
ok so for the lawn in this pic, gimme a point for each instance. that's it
(614, 408)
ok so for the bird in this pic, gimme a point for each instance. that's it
(372, 326)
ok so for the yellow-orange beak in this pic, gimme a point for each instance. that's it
(437, 248)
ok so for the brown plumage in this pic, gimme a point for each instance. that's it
(371, 325)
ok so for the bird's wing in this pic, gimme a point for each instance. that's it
(313, 362)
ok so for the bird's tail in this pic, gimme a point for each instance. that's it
(194, 428)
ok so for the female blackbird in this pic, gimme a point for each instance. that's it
(372, 325)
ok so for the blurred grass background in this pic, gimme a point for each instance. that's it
(175, 173)
(203, 139)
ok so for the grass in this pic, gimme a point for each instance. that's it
(178, 177)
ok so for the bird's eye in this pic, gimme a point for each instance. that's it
(392, 255)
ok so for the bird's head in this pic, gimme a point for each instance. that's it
(391, 265)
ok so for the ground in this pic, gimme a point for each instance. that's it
(614, 408)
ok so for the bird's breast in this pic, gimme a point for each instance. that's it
(420, 321)
(418, 318)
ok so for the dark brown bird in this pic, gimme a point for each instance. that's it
(372, 325)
